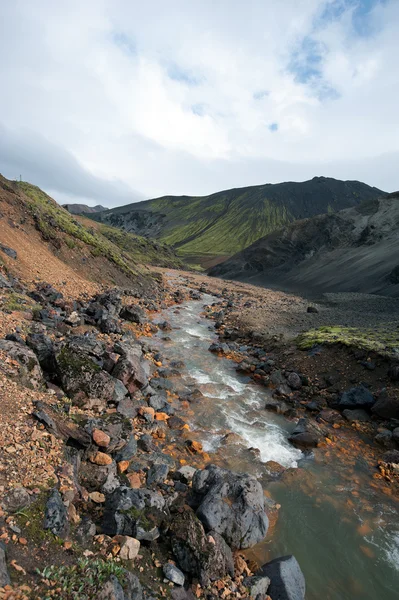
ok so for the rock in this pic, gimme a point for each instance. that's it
(112, 589)
(385, 438)
(257, 587)
(94, 477)
(124, 510)
(132, 370)
(311, 309)
(286, 578)
(157, 402)
(294, 381)
(279, 406)
(16, 499)
(134, 480)
(187, 473)
(207, 558)
(146, 443)
(55, 515)
(4, 282)
(85, 532)
(128, 451)
(4, 575)
(358, 414)
(60, 426)
(232, 505)
(128, 408)
(43, 347)
(357, 397)
(133, 313)
(157, 474)
(74, 319)
(101, 459)
(395, 435)
(97, 497)
(101, 438)
(130, 547)
(386, 407)
(306, 434)
(392, 456)
(174, 574)
(30, 372)
(9, 251)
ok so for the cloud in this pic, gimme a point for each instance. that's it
(102, 98)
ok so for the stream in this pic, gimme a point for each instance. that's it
(342, 529)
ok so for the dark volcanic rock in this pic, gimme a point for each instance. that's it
(133, 313)
(4, 575)
(306, 434)
(55, 515)
(206, 557)
(30, 371)
(386, 407)
(232, 505)
(127, 509)
(43, 347)
(286, 578)
(357, 397)
(9, 251)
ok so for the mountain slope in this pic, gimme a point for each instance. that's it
(45, 236)
(228, 221)
(353, 250)
(79, 209)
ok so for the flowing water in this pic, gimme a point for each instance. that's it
(342, 529)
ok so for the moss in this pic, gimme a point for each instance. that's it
(383, 340)
(73, 362)
(30, 520)
(139, 515)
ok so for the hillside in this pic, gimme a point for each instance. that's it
(79, 209)
(219, 225)
(46, 237)
(354, 250)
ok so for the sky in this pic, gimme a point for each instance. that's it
(115, 101)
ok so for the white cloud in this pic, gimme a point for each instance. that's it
(164, 98)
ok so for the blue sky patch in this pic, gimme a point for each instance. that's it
(363, 23)
(273, 127)
(199, 109)
(178, 73)
(259, 95)
(125, 43)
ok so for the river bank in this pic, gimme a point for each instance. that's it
(181, 409)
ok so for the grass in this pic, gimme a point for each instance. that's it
(12, 301)
(383, 340)
(84, 580)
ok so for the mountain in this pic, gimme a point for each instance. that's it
(79, 209)
(354, 250)
(210, 228)
(45, 236)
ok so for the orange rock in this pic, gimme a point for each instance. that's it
(101, 438)
(158, 363)
(134, 480)
(195, 446)
(186, 427)
(161, 416)
(146, 410)
(122, 466)
(101, 459)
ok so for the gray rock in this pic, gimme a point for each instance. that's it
(286, 578)
(232, 505)
(125, 507)
(120, 391)
(306, 434)
(128, 451)
(357, 397)
(358, 414)
(85, 532)
(157, 474)
(294, 381)
(395, 434)
(9, 251)
(174, 574)
(187, 472)
(4, 283)
(113, 590)
(132, 371)
(385, 438)
(4, 575)
(30, 371)
(133, 313)
(157, 402)
(16, 499)
(42, 346)
(279, 406)
(257, 586)
(55, 515)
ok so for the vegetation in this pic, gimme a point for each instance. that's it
(383, 340)
(226, 222)
(82, 580)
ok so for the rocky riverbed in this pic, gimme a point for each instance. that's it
(112, 484)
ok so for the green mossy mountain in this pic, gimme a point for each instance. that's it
(226, 222)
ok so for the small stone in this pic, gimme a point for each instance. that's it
(97, 497)
(174, 574)
(101, 459)
(161, 416)
(16, 499)
(134, 480)
(130, 547)
(122, 466)
(101, 438)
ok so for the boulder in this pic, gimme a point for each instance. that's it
(113, 590)
(357, 397)
(129, 510)
(133, 371)
(157, 474)
(174, 574)
(130, 547)
(55, 515)
(85, 532)
(43, 347)
(206, 557)
(386, 407)
(133, 313)
(30, 372)
(257, 587)
(294, 381)
(9, 251)
(306, 434)
(16, 499)
(232, 505)
(358, 414)
(286, 578)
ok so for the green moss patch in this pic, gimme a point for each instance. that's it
(383, 340)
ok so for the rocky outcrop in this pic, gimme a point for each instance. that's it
(232, 505)
(30, 372)
(286, 578)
